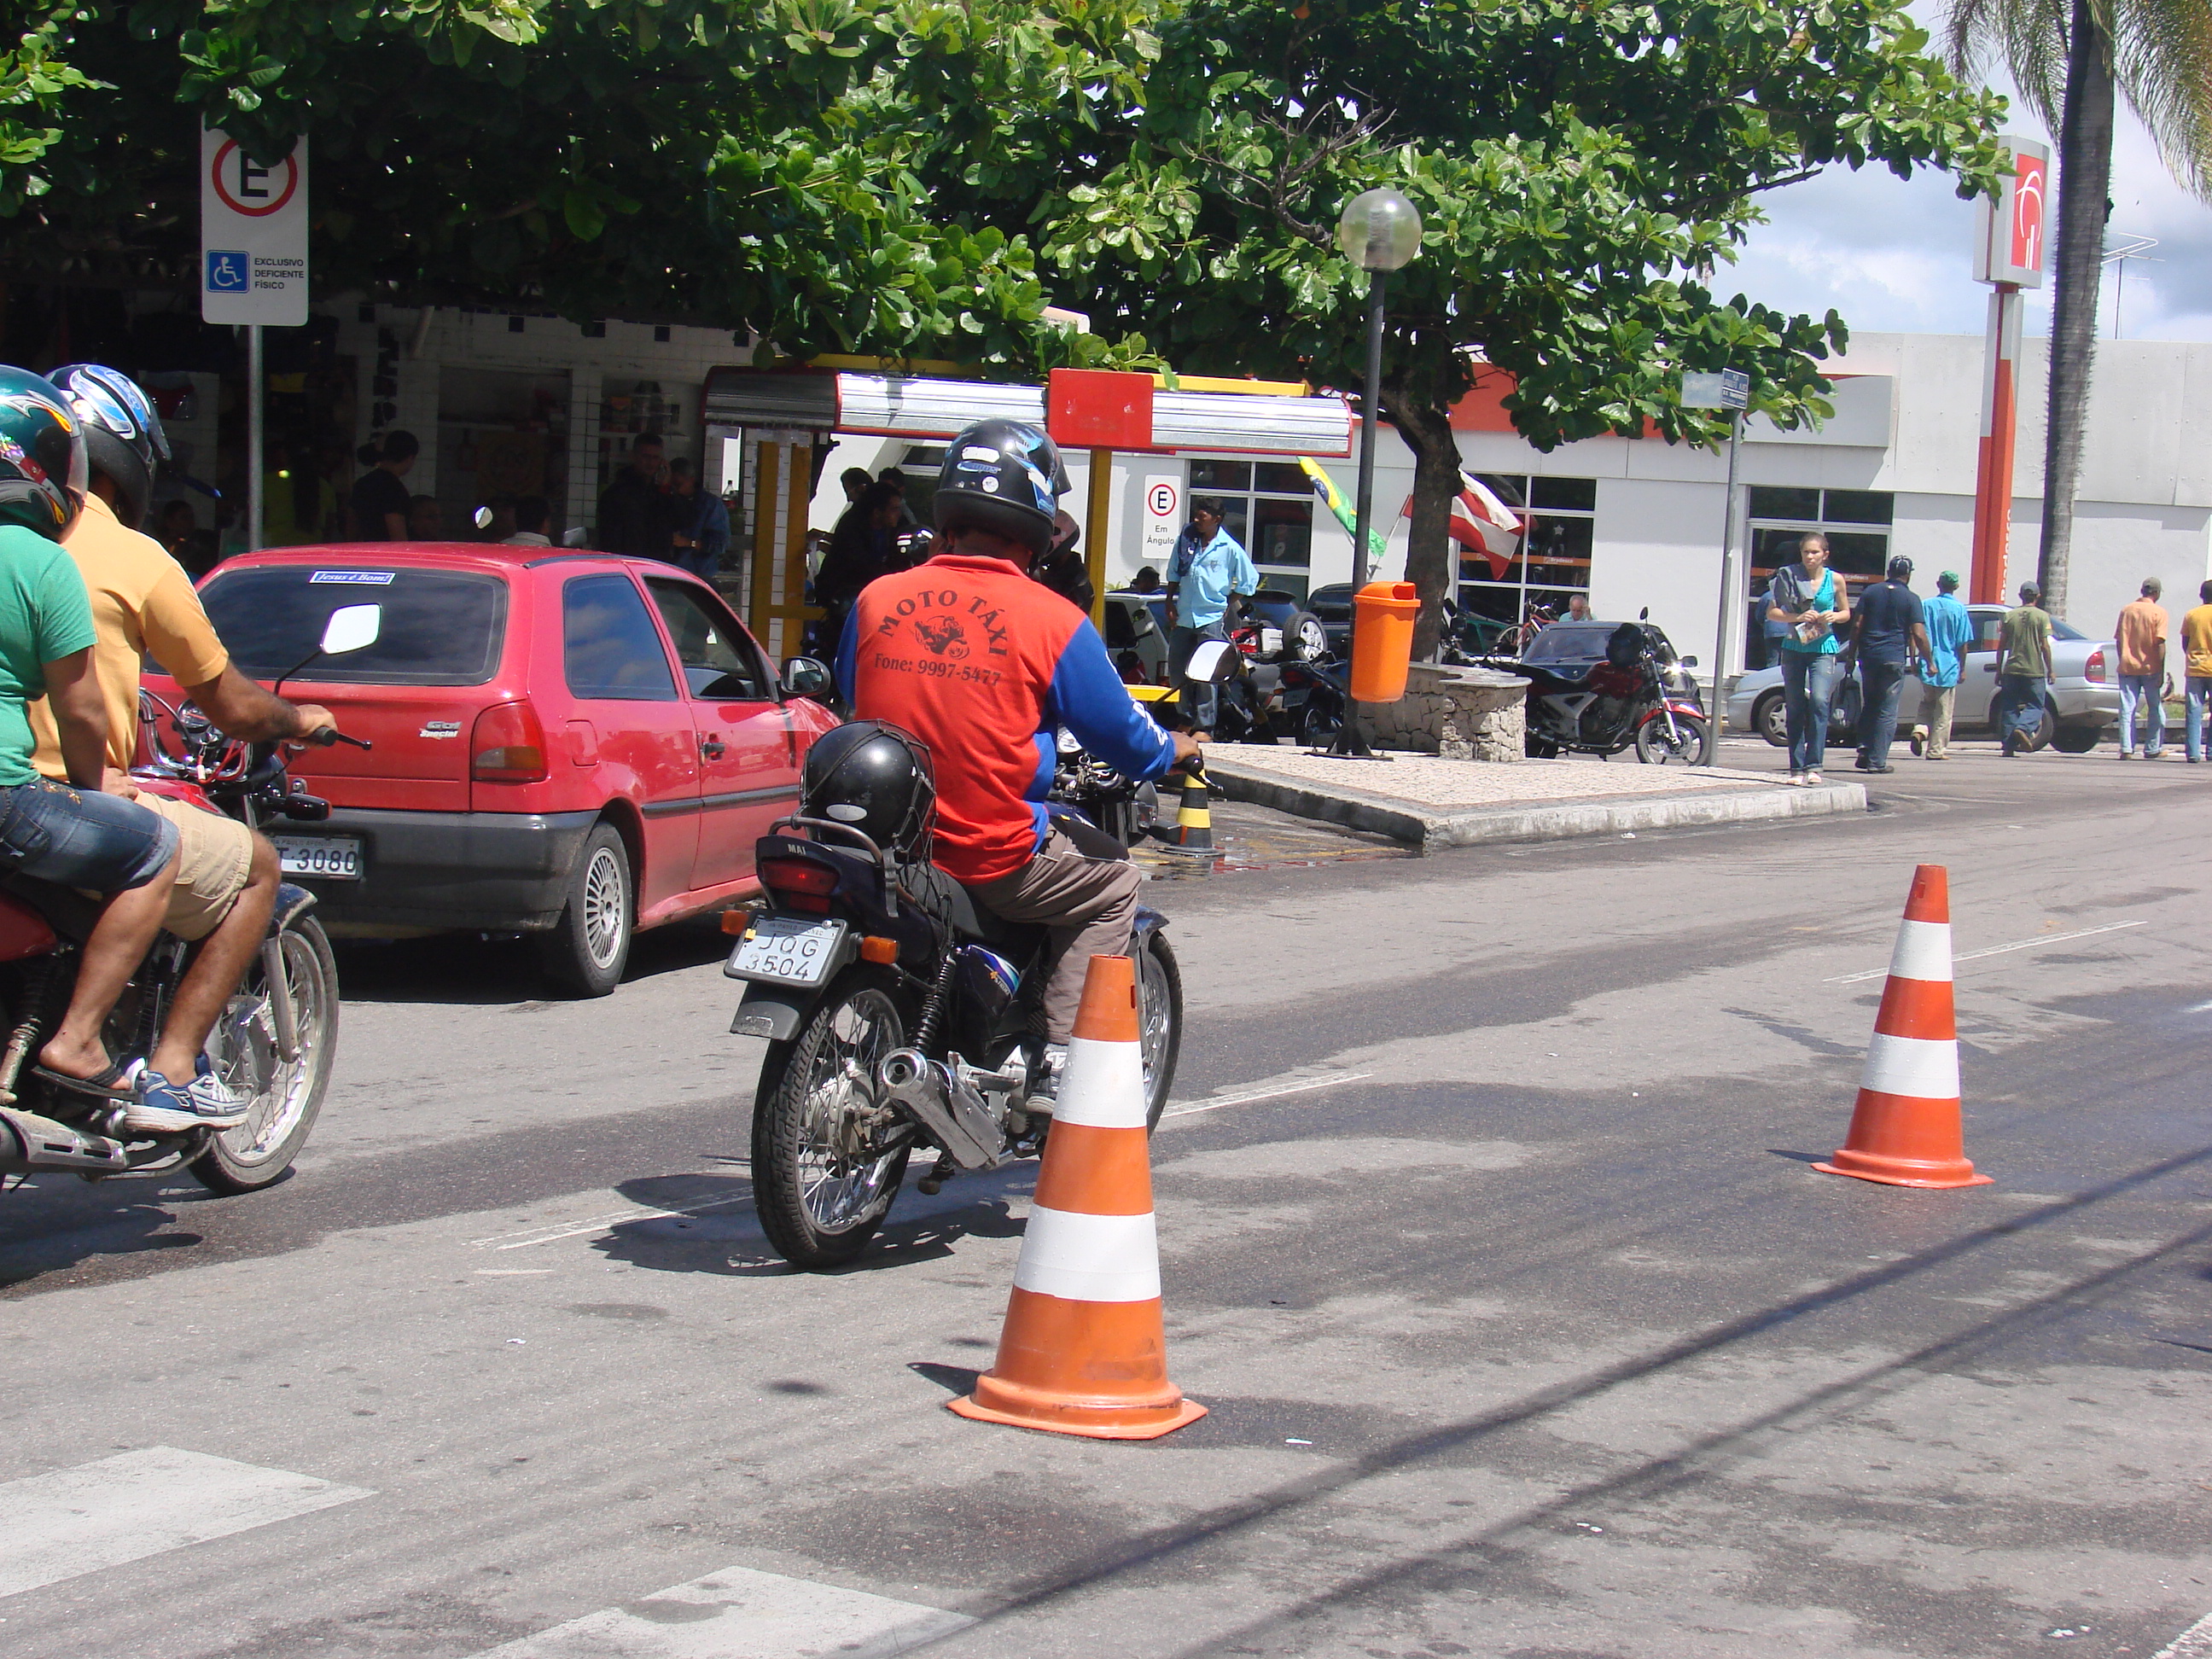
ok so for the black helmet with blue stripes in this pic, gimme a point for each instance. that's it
(1002, 476)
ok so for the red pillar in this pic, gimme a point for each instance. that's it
(1993, 470)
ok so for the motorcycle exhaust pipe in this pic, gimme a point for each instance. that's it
(950, 1112)
(29, 1142)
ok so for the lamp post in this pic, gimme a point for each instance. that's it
(1379, 232)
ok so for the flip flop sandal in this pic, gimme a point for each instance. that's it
(101, 1087)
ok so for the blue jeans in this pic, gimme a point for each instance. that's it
(81, 838)
(2020, 707)
(1879, 684)
(2196, 687)
(2144, 688)
(1809, 681)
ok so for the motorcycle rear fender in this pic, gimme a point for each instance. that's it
(773, 1012)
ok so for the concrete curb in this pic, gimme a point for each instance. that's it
(1429, 831)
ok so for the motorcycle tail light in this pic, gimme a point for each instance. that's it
(2094, 671)
(507, 745)
(799, 883)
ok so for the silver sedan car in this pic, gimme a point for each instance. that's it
(2083, 704)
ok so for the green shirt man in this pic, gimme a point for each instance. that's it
(45, 616)
(2025, 639)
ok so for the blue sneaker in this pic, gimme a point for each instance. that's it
(165, 1108)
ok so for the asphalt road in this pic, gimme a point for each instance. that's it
(1489, 1238)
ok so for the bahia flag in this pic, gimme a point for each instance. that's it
(1482, 523)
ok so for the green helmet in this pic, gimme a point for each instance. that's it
(42, 457)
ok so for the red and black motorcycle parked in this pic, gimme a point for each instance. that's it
(1634, 694)
(275, 1041)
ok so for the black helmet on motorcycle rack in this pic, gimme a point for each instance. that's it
(1002, 476)
(123, 435)
(878, 779)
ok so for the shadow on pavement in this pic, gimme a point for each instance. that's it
(471, 969)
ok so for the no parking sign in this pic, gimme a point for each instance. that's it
(253, 234)
(1162, 519)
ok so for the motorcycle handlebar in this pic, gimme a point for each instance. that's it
(323, 736)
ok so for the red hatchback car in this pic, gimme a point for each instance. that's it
(571, 745)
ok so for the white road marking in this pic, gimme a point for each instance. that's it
(2195, 1643)
(1997, 949)
(139, 1503)
(547, 1234)
(1265, 1094)
(738, 1613)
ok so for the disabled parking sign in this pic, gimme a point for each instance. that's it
(253, 234)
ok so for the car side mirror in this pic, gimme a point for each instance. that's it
(804, 677)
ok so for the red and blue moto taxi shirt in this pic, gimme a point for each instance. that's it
(983, 664)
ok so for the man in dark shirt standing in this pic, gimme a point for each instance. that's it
(1891, 631)
(633, 513)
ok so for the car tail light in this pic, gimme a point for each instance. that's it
(799, 883)
(2094, 670)
(507, 745)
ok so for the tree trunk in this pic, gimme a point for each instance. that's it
(2085, 177)
(1427, 431)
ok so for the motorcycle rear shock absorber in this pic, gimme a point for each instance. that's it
(933, 1006)
(39, 979)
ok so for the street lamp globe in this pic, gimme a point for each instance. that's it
(1379, 230)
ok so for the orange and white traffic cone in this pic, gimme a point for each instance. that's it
(1905, 1129)
(1083, 1350)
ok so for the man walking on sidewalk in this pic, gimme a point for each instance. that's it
(1890, 634)
(2023, 671)
(1950, 628)
(2197, 669)
(2142, 634)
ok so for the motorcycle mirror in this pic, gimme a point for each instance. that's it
(1212, 663)
(1644, 615)
(1689, 662)
(480, 518)
(351, 627)
(573, 538)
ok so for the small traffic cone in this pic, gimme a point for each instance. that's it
(1905, 1130)
(1194, 824)
(1083, 1350)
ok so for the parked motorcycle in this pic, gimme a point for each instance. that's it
(274, 1043)
(901, 1016)
(1632, 696)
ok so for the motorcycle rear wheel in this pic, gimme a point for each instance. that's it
(286, 1095)
(1655, 746)
(819, 1203)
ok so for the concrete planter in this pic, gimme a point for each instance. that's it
(1460, 713)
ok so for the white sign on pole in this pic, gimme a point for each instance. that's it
(253, 235)
(1163, 519)
(1728, 388)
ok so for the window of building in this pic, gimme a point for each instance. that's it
(1550, 562)
(1856, 523)
(1268, 507)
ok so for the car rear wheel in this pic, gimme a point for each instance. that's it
(1770, 720)
(1304, 639)
(586, 952)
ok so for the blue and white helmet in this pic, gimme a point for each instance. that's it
(123, 435)
(1002, 476)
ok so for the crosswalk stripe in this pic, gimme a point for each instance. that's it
(739, 1613)
(139, 1503)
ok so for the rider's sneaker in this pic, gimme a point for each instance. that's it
(1045, 1076)
(165, 1108)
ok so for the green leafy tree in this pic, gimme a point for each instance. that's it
(703, 160)
(2066, 57)
(1582, 170)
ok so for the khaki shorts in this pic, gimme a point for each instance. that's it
(213, 865)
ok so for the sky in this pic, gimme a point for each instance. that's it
(1894, 255)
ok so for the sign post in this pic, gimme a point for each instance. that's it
(253, 271)
(1730, 389)
(2008, 250)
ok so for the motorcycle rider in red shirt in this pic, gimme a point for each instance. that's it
(982, 664)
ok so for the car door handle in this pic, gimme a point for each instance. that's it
(713, 748)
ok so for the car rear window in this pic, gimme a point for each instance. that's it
(438, 627)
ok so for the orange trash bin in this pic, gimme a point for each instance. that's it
(1382, 640)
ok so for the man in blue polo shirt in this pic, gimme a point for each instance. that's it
(1950, 630)
(1208, 571)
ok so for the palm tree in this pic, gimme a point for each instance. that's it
(2067, 57)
